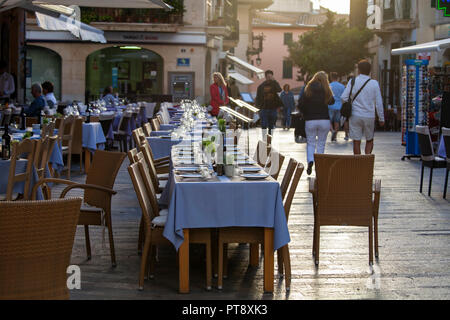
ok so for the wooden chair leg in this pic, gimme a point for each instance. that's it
(81, 162)
(371, 245)
(88, 242)
(421, 177)
(317, 246)
(214, 251)
(141, 235)
(280, 262)
(208, 266)
(111, 240)
(431, 181)
(69, 165)
(220, 265)
(446, 184)
(151, 259)
(225, 260)
(144, 263)
(376, 235)
(287, 266)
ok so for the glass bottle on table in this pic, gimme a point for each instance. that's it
(6, 144)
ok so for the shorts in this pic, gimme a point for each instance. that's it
(360, 127)
(335, 115)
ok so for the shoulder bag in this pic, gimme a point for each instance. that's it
(346, 110)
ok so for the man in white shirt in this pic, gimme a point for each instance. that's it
(369, 100)
(7, 86)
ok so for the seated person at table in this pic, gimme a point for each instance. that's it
(34, 110)
(47, 89)
(7, 87)
(108, 96)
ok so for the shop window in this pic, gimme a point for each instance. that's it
(133, 72)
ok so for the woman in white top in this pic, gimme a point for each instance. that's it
(49, 96)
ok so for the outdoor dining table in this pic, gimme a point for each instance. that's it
(93, 139)
(221, 202)
(21, 166)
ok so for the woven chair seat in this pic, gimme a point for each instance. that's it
(163, 183)
(88, 208)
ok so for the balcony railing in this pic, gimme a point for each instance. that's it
(89, 15)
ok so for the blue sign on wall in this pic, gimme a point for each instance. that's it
(115, 76)
(183, 62)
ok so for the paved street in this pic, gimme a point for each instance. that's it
(414, 232)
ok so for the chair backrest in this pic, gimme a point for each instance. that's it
(262, 153)
(106, 123)
(143, 140)
(36, 240)
(103, 171)
(131, 153)
(156, 124)
(274, 163)
(145, 149)
(446, 135)
(124, 123)
(295, 179)
(147, 127)
(137, 133)
(26, 148)
(139, 188)
(425, 143)
(29, 121)
(269, 140)
(42, 154)
(344, 186)
(68, 131)
(48, 129)
(77, 140)
(59, 124)
(95, 119)
(287, 177)
(145, 172)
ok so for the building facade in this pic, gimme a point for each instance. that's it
(147, 53)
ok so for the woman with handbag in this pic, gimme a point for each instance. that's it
(313, 104)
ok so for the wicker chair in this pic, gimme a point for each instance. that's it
(161, 164)
(344, 194)
(96, 208)
(429, 159)
(48, 129)
(26, 147)
(154, 224)
(36, 240)
(147, 127)
(159, 180)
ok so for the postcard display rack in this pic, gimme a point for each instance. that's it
(415, 103)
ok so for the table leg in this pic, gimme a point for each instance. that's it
(87, 160)
(183, 256)
(254, 254)
(268, 260)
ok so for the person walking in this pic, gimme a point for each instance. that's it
(219, 94)
(335, 109)
(268, 101)
(287, 97)
(314, 106)
(364, 104)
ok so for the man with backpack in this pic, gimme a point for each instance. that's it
(361, 98)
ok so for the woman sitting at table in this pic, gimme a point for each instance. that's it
(219, 94)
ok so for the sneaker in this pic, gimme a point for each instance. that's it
(346, 138)
(309, 170)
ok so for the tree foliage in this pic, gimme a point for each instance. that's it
(331, 47)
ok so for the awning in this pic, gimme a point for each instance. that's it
(240, 78)
(245, 65)
(75, 27)
(434, 46)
